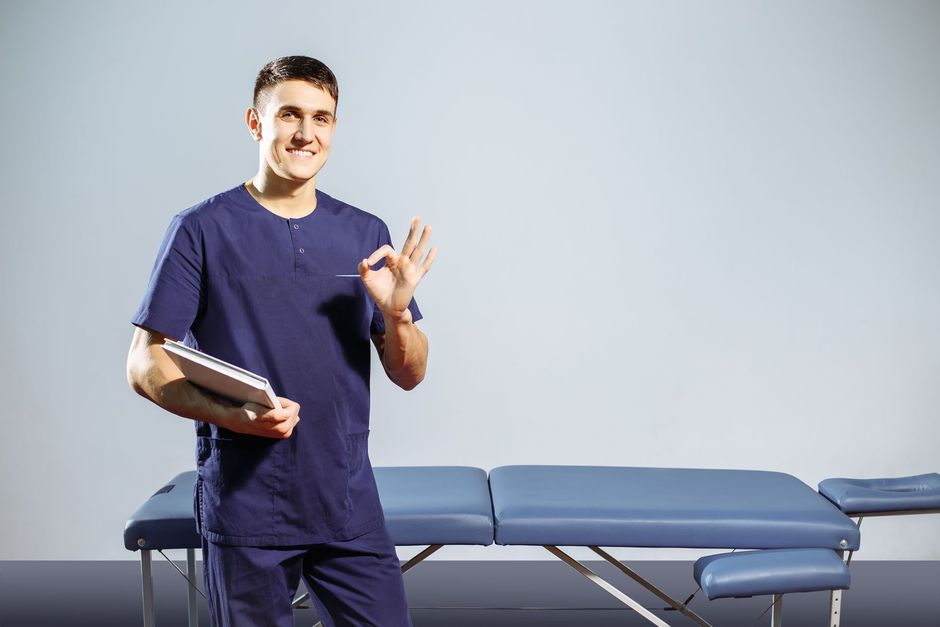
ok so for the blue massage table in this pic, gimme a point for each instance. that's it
(791, 538)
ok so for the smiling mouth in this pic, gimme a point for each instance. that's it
(299, 152)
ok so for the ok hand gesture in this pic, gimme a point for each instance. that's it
(392, 286)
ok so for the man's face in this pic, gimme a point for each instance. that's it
(294, 129)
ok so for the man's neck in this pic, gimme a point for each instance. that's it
(287, 199)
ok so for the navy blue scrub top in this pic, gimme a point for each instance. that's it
(260, 291)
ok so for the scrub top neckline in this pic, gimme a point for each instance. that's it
(253, 204)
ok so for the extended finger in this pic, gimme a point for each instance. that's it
(409, 245)
(428, 260)
(422, 244)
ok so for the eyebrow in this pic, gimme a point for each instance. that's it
(290, 107)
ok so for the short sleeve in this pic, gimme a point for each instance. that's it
(176, 290)
(378, 322)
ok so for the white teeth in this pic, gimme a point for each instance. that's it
(303, 153)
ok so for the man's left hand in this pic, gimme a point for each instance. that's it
(393, 286)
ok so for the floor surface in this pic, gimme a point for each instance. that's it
(472, 594)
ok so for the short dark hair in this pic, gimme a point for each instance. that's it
(291, 69)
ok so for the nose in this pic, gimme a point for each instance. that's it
(305, 130)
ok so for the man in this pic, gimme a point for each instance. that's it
(281, 279)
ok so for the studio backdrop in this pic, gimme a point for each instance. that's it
(671, 234)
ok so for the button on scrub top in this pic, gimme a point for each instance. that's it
(262, 292)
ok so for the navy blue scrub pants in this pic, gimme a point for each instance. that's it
(353, 583)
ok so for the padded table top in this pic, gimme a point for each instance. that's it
(436, 504)
(166, 520)
(663, 507)
(422, 505)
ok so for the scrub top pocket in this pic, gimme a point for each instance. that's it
(238, 483)
(362, 489)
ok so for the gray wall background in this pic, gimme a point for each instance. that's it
(671, 233)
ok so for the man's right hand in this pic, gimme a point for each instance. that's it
(254, 419)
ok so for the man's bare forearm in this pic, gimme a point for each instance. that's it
(152, 374)
(405, 353)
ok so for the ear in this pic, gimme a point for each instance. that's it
(253, 122)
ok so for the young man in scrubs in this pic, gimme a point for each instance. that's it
(279, 278)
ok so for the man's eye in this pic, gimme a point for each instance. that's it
(289, 114)
(321, 118)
